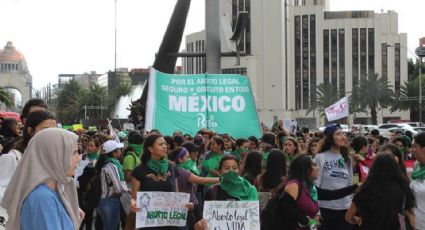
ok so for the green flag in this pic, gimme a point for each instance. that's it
(220, 102)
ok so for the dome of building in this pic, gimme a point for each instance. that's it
(10, 54)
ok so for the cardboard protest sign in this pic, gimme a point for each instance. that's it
(232, 215)
(161, 209)
(338, 110)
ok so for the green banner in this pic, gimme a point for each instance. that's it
(220, 102)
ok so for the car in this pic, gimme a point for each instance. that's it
(387, 126)
(369, 128)
(419, 129)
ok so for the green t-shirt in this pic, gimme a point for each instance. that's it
(131, 161)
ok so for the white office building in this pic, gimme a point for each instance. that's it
(291, 49)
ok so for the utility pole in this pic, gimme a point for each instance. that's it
(213, 42)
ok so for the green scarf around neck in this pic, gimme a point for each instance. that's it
(93, 156)
(418, 173)
(239, 153)
(160, 167)
(118, 165)
(137, 148)
(190, 165)
(238, 187)
(312, 190)
(212, 163)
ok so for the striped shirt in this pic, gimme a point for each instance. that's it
(110, 181)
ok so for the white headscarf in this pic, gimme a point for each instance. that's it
(47, 158)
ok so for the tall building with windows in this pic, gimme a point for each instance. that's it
(293, 46)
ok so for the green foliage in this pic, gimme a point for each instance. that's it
(6, 97)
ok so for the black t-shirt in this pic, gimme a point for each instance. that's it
(217, 193)
(151, 181)
(376, 209)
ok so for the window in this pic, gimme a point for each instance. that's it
(334, 59)
(363, 57)
(355, 56)
(297, 35)
(312, 59)
(397, 69)
(384, 50)
(305, 39)
(341, 62)
(326, 56)
(243, 6)
(371, 50)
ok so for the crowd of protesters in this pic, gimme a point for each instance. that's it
(51, 178)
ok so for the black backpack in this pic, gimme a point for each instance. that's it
(271, 217)
(91, 197)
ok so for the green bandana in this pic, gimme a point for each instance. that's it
(190, 165)
(92, 156)
(239, 153)
(418, 173)
(137, 148)
(238, 187)
(401, 151)
(160, 167)
(212, 163)
(341, 162)
(118, 165)
(312, 191)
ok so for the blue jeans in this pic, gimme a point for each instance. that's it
(109, 210)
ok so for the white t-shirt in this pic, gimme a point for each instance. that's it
(8, 164)
(418, 187)
(332, 175)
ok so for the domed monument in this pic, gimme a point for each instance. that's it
(14, 73)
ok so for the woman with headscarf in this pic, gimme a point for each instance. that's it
(42, 193)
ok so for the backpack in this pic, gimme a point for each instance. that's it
(271, 217)
(91, 197)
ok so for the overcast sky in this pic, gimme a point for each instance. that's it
(77, 36)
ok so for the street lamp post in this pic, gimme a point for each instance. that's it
(420, 53)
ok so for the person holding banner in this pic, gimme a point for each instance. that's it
(231, 186)
(335, 172)
(187, 181)
(155, 173)
(418, 180)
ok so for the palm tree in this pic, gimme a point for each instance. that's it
(408, 92)
(123, 89)
(6, 97)
(71, 99)
(375, 92)
(325, 97)
(97, 96)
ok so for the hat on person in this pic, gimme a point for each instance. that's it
(331, 128)
(110, 146)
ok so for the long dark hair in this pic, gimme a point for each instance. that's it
(310, 145)
(300, 168)
(149, 141)
(396, 152)
(32, 121)
(227, 158)
(6, 128)
(385, 180)
(330, 142)
(275, 170)
(252, 163)
(101, 162)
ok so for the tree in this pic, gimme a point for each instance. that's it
(6, 97)
(409, 95)
(97, 96)
(123, 89)
(71, 99)
(325, 97)
(375, 92)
